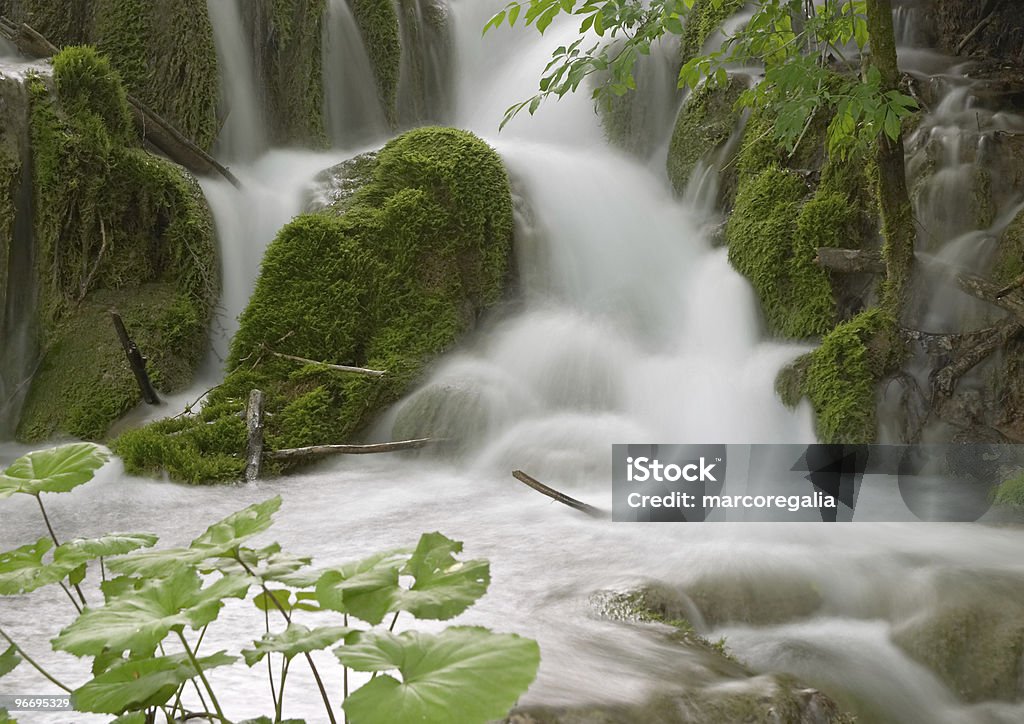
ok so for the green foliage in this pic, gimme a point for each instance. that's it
(458, 675)
(388, 282)
(793, 43)
(378, 24)
(56, 470)
(1011, 492)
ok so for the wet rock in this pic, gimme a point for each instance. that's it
(335, 186)
(755, 597)
(972, 636)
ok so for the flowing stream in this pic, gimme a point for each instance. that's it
(632, 328)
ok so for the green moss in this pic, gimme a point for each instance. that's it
(843, 373)
(295, 73)
(705, 123)
(110, 221)
(704, 18)
(1011, 492)
(1009, 264)
(378, 24)
(388, 281)
(163, 50)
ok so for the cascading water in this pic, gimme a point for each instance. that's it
(243, 136)
(631, 328)
(424, 82)
(351, 107)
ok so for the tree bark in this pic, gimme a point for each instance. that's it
(893, 198)
(135, 360)
(254, 429)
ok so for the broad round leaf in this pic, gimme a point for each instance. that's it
(8, 660)
(465, 675)
(22, 570)
(141, 683)
(443, 587)
(367, 589)
(295, 640)
(114, 544)
(137, 621)
(56, 470)
(230, 532)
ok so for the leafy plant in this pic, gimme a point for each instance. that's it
(144, 640)
(797, 42)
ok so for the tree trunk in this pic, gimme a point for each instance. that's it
(893, 197)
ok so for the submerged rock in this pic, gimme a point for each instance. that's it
(971, 635)
(713, 686)
(386, 277)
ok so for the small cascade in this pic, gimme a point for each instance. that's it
(244, 134)
(424, 83)
(19, 353)
(351, 104)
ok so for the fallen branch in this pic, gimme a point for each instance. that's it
(254, 434)
(313, 451)
(135, 360)
(991, 293)
(977, 29)
(560, 497)
(328, 365)
(944, 380)
(850, 261)
(1012, 286)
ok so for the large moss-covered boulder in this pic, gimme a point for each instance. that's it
(163, 50)
(387, 279)
(114, 227)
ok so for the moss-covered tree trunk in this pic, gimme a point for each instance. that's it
(893, 198)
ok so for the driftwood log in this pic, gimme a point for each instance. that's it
(315, 451)
(154, 130)
(560, 497)
(135, 360)
(850, 261)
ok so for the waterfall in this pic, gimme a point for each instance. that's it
(244, 134)
(424, 81)
(351, 106)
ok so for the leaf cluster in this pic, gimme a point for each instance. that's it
(143, 644)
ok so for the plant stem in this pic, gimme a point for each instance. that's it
(53, 536)
(202, 676)
(32, 663)
(279, 699)
(71, 596)
(270, 666)
(288, 618)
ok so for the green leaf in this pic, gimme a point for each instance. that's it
(465, 675)
(274, 600)
(138, 621)
(295, 640)
(114, 544)
(230, 532)
(22, 570)
(443, 587)
(367, 589)
(56, 470)
(141, 683)
(8, 660)
(77, 575)
(135, 717)
(220, 539)
(5, 718)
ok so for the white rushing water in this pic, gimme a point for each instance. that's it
(631, 329)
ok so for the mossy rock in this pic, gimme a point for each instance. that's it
(378, 24)
(1010, 493)
(388, 280)
(971, 634)
(162, 49)
(1009, 264)
(759, 598)
(704, 125)
(704, 18)
(453, 412)
(112, 224)
(840, 377)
